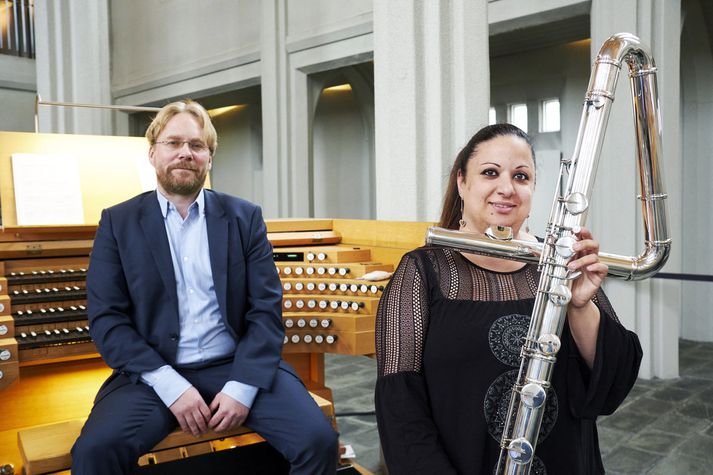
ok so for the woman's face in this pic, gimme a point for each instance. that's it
(498, 184)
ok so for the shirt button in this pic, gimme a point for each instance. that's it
(185, 258)
(195, 321)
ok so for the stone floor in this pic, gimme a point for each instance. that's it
(665, 427)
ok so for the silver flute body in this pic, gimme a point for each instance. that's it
(569, 210)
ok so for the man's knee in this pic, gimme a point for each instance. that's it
(100, 448)
(319, 440)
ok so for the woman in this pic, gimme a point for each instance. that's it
(450, 327)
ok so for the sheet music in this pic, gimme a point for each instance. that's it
(47, 189)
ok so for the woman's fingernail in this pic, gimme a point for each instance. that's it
(576, 229)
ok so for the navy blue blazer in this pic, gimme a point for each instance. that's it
(131, 287)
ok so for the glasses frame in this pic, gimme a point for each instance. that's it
(194, 146)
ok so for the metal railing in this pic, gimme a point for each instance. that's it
(17, 28)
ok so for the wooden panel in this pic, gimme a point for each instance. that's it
(347, 270)
(58, 353)
(46, 394)
(347, 342)
(8, 350)
(108, 172)
(30, 249)
(339, 287)
(303, 238)
(351, 305)
(9, 373)
(7, 325)
(329, 254)
(5, 305)
(405, 235)
(345, 322)
(46, 448)
(287, 225)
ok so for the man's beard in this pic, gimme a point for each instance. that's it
(182, 187)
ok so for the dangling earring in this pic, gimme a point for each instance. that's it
(461, 221)
(527, 224)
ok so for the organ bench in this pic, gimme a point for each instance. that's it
(46, 448)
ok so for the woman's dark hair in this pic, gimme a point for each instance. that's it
(450, 214)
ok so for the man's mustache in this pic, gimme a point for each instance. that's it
(183, 167)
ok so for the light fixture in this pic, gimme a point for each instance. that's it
(222, 110)
(339, 88)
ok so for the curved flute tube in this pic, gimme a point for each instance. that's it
(569, 210)
(638, 267)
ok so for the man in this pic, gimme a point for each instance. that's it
(184, 304)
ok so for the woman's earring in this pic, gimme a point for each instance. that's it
(461, 221)
(527, 224)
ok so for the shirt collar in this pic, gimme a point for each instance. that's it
(165, 205)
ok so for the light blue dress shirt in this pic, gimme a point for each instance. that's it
(203, 336)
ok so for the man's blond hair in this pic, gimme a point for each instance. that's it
(169, 111)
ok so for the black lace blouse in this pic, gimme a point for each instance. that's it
(448, 339)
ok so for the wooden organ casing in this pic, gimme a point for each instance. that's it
(54, 374)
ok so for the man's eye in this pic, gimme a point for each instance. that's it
(172, 143)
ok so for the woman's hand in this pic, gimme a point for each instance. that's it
(593, 271)
(582, 314)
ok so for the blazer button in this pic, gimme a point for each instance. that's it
(173, 336)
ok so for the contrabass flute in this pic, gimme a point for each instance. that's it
(569, 210)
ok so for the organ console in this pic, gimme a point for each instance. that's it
(332, 272)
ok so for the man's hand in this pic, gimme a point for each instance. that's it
(191, 412)
(227, 413)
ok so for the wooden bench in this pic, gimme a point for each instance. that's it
(46, 448)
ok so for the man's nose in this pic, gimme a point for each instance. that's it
(184, 150)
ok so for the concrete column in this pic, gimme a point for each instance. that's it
(652, 308)
(431, 93)
(697, 100)
(72, 39)
(275, 110)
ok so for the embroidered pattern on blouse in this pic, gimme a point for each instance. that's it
(506, 336)
(497, 401)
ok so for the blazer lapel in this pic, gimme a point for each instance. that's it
(218, 243)
(154, 229)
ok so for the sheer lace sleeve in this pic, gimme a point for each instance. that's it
(402, 319)
(409, 437)
(602, 389)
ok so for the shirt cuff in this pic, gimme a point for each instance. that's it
(168, 384)
(243, 393)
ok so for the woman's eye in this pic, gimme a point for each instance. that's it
(521, 176)
(490, 172)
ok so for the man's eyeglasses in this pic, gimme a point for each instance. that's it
(194, 145)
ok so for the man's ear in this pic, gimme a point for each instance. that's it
(152, 151)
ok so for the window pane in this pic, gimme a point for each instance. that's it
(551, 115)
(518, 116)
(491, 116)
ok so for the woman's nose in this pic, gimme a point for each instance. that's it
(505, 187)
